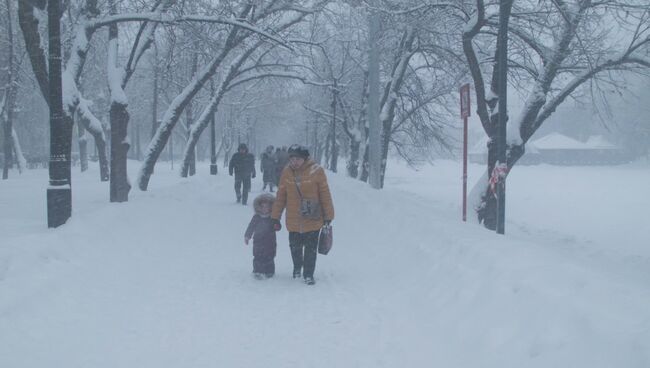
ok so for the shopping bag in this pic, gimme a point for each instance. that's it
(325, 239)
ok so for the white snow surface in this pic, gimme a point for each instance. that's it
(559, 141)
(164, 280)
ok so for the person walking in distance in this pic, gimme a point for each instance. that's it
(242, 164)
(267, 167)
(305, 194)
(281, 160)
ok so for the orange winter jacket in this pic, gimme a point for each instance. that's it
(313, 185)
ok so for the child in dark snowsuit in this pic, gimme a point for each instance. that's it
(262, 230)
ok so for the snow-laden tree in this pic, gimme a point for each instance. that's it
(86, 24)
(9, 93)
(118, 78)
(246, 27)
(558, 49)
(419, 69)
(335, 59)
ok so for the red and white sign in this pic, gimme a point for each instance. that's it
(464, 101)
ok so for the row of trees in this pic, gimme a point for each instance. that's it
(218, 65)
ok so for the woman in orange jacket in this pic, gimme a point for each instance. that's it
(304, 193)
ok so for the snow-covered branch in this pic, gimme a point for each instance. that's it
(472, 28)
(29, 24)
(143, 41)
(278, 74)
(576, 82)
(93, 125)
(237, 23)
(322, 113)
(159, 17)
(541, 50)
(416, 9)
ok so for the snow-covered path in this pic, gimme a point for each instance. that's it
(164, 281)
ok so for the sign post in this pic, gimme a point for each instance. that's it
(464, 113)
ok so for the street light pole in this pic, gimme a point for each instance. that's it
(59, 193)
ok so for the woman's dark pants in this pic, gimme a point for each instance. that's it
(303, 252)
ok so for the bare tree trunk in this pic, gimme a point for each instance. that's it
(189, 116)
(389, 98)
(155, 123)
(7, 143)
(227, 140)
(154, 105)
(9, 97)
(29, 24)
(318, 145)
(354, 134)
(328, 151)
(120, 186)
(226, 157)
(97, 131)
(100, 144)
(119, 118)
(365, 164)
(171, 150)
(138, 152)
(83, 146)
(372, 158)
(18, 152)
(363, 170)
(213, 147)
(353, 164)
(333, 144)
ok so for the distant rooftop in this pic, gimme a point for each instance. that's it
(599, 142)
(553, 141)
(559, 141)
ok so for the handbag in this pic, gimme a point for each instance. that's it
(325, 239)
(309, 209)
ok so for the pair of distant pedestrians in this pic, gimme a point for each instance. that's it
(272, 164)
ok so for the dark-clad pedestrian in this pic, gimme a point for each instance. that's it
(242, 165)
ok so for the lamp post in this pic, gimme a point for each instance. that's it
(59, 192)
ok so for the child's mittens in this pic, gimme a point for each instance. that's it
(276, 225)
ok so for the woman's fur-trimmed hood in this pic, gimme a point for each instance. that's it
(263, 198)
